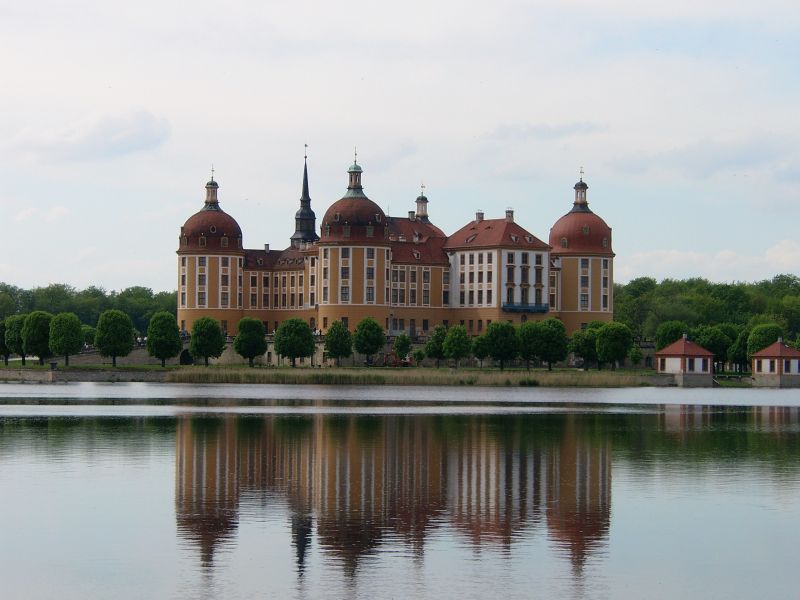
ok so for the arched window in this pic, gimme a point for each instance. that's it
(605, 242)
(564, 242)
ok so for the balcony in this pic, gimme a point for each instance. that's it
(526, 308)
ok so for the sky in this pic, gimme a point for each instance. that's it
(684, 116)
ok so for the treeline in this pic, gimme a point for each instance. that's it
(139, 303)
(644, 304)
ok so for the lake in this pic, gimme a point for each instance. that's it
(179, 491)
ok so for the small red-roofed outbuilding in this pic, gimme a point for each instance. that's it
(689, 362)
(777, 365)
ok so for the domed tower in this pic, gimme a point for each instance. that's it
(304, 219)
(354, 257)
(582, 273)
(210, 261)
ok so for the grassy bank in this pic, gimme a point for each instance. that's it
(378, 376)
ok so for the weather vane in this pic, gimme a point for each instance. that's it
(355, 154)
(422, 188)
(581, 173)
(212, 171)
(305, 153)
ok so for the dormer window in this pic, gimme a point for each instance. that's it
(416, 254)
(585, 230)
(605, 242)
(514, 238)
(202, 241)
(377, 217)
(370, 230)
(223, 242)
(260, 261)
(346, 230)
(336, 217)
(564, 242)
(471, 238)
(529, 239)
(327, 231)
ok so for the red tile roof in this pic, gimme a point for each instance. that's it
(429, 253)
(493, 233)
(684, 347)
(290, 259)
(777, 350)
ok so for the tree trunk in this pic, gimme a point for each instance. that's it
(66, 360)
(23, 360)
(250, 361)
(294, 362)
(528, 364)
(206, 360)
(549, 366)
(41, 361)
(163, 362)
(114, 361)
(502, 364)
(5, 359)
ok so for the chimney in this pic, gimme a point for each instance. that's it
(411, 215)
(780, 340)
(509, 215)
(685, 336)
(266, 247)
(479, 216)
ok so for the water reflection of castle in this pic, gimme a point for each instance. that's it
(359, 479)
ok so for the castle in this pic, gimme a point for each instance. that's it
(404, 272)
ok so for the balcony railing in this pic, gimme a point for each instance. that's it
(526, 308)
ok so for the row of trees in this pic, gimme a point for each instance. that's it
(139, 303)
(643, 304)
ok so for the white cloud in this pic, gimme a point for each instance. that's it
(51, 214)
(722, 265)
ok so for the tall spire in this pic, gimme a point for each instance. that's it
(304, 219)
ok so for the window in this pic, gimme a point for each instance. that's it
(394, 296)
(662, 364)
(471, 259)
(489, 258)
(605, 301)
(224, 299)
(202, 241)
(253, 281)
(370, 253)
(538, 276)
(705, 365)
(183, 261)
(413, 275)
(488, 296)
(584, 263)
(283, 300)
(183, 298)
(345, 321)
(488, 277)
(537, 296)
(426, 297)
(564, 242)
(201, 279)
(446, 278)
(471, 323)
(275, 281)
(480, 296)
(283, 281)
(395, 276)
(584, 301)
(605, 282)
(346, 230)
(265, 300)
(510, 258)
(325, 294)
(412, 296)
(402, 296)
(461, 298)
(201, 261)
(525, 295)
(480, 258)
(772, 366)
(370, 230)
(525, 275)
(538, 260)
(345, 252)
(325, 253)
(510, 274)
(275, 301)
(787, 366)
(312, 280)
(223, 242)
(690, 365)
(480, 276)
(345, 273)
(253, 301)
(370, 272)
(201, 298)
(524, 258)
(605, 263)
(265, 281)
(426, 277)
(605, 242)
(510, 296)
(758, 366)
(584, 281)
(291, 299)
(471, 297)
(461, 277)
(424, 324)
(446, 297)
(183, 278)
(472, 276)
(402, 276)
(324, 273)
(370, 294)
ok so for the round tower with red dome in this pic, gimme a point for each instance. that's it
(582, 261)
(210, 261)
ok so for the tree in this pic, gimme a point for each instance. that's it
(762, 336)
(435, 346)
(737, 352)
(163, 337)
(528, 342)
(614, 341)
(553, 343)
(36, 334)
(418, 355)
(668, 332)
(338, 341)
(502, 338)
(480, 348)
(207, 340)
(294, 339)
(5, 352)
(114, 335)
(251, 340)
(714, 339)
(402, 346)
(65, 335)
(457, 344)
(368, 338)
(88, 332)
(584, 345)
(14, 343)
(635, 355)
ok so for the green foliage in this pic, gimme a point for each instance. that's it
(480, 348)
(338, 341)
(635, 355)
(207, 341)
(66, 336)
(14, 325)
(88, 332)
(503, 343)
(714, 339)
(5, 352)
(762, 336)
(737, 352)
(614, 341)
(418, 355)
(668, 332)
(114, 335)
(553, 341)
(251, 340)
(294, 339)
(457, 344)
(36, 335)
(435, 346)
(528, 342)
(584, 345)
(7, 305)
(163, 337)
(368, 337)
(402, 346)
